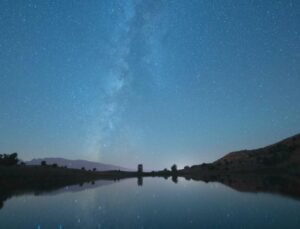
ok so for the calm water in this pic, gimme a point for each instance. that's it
(158, 203)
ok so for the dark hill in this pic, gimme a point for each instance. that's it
(282, 155)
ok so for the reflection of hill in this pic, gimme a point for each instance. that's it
(78, 187)
(7, 192)
(244, 182)
(250, 182)
(20, 180)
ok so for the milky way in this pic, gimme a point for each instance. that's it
(134, 20)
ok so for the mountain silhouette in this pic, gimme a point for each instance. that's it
(76, 164)
(283, 155)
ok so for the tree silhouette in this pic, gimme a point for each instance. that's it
(9, 159)
(174, 168)
(43, 163)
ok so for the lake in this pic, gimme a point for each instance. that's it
(149, 203)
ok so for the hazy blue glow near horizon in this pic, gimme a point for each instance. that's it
(157, 82)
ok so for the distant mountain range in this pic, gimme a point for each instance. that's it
(76, 164)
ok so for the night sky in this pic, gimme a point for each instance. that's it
(152, 82)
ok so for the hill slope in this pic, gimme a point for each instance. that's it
(284, 154)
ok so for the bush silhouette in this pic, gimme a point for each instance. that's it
(43, 163)
(9, 159)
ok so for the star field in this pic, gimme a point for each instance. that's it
(152, 82)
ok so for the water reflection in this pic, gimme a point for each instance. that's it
(175, 179)
(140, 181)
(284, 185)
(8, 191)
